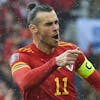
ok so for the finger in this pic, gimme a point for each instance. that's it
(71, 58)
(71, 62)
(72, 55)
(75, 52)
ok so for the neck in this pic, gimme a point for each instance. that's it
(44, 48)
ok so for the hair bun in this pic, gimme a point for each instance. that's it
(31, 6)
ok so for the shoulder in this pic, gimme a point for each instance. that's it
(67, 44)
(27, 49)
(22, 54)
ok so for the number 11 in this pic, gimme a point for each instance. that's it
(65, 92)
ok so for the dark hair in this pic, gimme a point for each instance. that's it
(33, 9)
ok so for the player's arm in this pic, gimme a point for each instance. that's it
(26, 77)
(89, 73)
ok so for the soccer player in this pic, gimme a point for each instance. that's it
(45, 69)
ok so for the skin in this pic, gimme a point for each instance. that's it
(48, 27)
(44, 40)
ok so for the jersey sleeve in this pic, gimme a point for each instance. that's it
(26, 77)
(87, 71)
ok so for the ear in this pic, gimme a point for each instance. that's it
(33, 28)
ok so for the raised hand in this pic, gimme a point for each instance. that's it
(68, 57)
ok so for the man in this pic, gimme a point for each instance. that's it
(44, 69)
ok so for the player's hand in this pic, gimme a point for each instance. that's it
(68, 57)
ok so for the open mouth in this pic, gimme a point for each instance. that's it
(55, 36)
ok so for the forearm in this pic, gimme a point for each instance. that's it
(94, 80)
(26, 78)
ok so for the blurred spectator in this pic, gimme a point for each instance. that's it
(5, 92)
(94, 8)
(70, 33)
(25, 37)
(3, 2)
(2, 24)
(60, 5)
(7, 49)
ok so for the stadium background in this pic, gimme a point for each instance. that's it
(80, 24)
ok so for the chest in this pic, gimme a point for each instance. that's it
(58, 81)
(61, 72)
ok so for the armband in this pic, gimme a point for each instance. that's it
(86, 69)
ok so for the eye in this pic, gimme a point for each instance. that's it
(49, 23)
(56, 22)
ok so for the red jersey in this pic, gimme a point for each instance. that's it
(39, 78)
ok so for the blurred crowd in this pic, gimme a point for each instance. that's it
(14, 34)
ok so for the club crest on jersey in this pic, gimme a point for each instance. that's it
(14, 58)
(70, 67)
